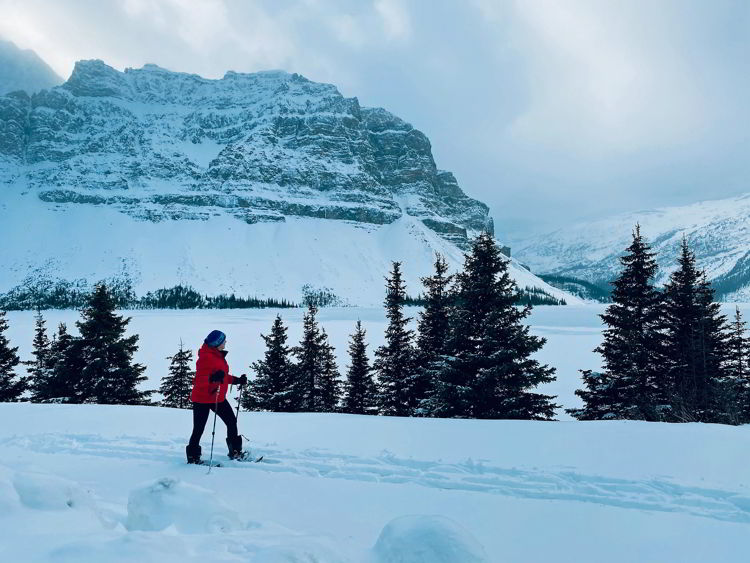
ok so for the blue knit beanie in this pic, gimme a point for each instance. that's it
(215, 338)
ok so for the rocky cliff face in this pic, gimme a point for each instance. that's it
(159, 145)
(262, 184)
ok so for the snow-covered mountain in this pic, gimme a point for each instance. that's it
(22, 69)
(254, 183)
(718, 231)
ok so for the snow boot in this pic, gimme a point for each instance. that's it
(193, 454)
(235, 448)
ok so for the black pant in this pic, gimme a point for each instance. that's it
(200, 416)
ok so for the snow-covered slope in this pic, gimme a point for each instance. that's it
(254, 183)
(22, 69)
(108, 483)
(718, 231)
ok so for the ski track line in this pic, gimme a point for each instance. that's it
(476, 476)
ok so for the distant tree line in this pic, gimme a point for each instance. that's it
(526, 296)
(668, 355)
(74, 295)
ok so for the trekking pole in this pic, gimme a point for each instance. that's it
(213, 432)
(239, 402)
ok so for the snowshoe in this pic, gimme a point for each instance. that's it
(237, 454)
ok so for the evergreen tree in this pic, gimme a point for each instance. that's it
(109, 375)
(395, 360)
(38, 368)
(310, 356)
(695, 344)
(487, 370)
(360, 388)
(176, 386)
(64, 366)
(600, 397)
(329, 394)
(272, 388)
(736, 391)
(632, 344)
(12, 386)
(432, 334)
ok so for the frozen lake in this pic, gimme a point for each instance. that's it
(572, 333)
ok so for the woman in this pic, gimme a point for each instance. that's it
(209, 393)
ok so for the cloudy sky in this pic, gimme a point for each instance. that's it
(550, 111)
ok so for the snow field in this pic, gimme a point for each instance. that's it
(225, 255)
(109, 483)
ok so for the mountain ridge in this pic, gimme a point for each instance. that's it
(23, 69)
(718, 231)
(286, 156)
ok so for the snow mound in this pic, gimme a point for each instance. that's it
(8, 494)
(427, 539)
(47, 492)
(299, 552)
(170, 502)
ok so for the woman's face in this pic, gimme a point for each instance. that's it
(223, 345)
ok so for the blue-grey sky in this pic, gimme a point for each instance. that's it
(550, 111)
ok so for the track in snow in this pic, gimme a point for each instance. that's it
(476, 476)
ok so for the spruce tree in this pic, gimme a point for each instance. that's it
(109, 375)
(360, 388)
(632, 345)
(64, 367)
(272, 388)
(695, 345)
(310, 358)
(38, 368)
(176, 386)
(736, 390)
(432, 334)
(395, 360)
(12, 385)
(329, 393)
(487, 371)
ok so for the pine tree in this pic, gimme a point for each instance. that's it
(695, 344)
(176, 386)
(109, 375)
(38, 368)
(64, 367)
(736, 390)
(310, 357)
(12, 385)
(329, 394)
(395, 360)
(487, 371)
(432, 334)
(360, 388)
(632, 344)
(272, 388)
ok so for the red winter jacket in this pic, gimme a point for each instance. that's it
(210, 360)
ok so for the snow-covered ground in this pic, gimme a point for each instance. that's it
(109, 483)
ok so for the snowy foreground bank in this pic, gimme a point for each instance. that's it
(109, 483)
